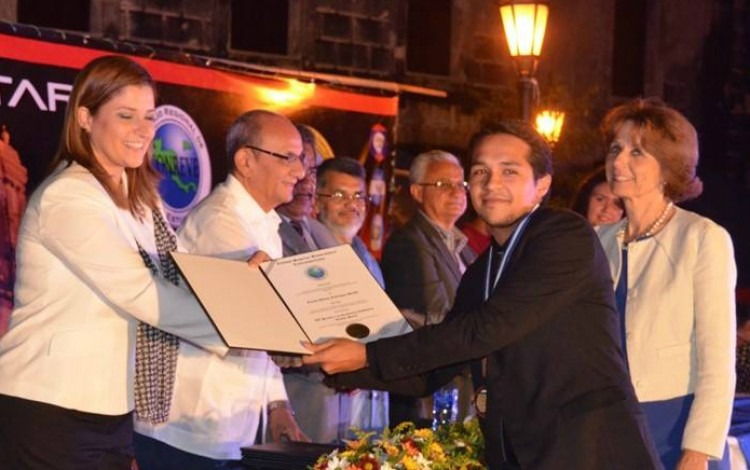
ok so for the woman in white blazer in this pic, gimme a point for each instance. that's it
(67, 360)
(675, 274)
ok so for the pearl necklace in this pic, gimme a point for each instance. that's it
(654, 228)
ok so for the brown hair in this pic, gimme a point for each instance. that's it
(668, 136)
(94, 86)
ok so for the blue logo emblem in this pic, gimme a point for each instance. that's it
(181, 157)
(316, 272)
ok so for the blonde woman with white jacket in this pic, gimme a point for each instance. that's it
(675, 274)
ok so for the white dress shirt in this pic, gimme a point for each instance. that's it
(217, 401)
(680, 320)
(81, 286)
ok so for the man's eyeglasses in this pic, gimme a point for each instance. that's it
(447, 186)
(340, 197)
(290, 159)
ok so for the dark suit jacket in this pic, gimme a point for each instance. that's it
(419, 271)
(557, 381)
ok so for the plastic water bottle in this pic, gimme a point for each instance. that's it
(444, 406)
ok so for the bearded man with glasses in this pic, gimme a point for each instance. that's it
(341, 201)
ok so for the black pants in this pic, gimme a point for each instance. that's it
(35, 435)
(156, 455)
(403, 408)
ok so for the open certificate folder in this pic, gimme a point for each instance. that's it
(314, 296)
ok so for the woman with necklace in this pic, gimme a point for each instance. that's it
(674, 276)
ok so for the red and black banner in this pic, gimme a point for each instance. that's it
(196, 105)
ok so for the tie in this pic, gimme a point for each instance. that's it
(297, 226)
(156, 350)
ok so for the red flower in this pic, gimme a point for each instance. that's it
(410, 446)
(368, 462)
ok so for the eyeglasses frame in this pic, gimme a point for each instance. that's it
(289, 160)
(439, 185)
(364, 199)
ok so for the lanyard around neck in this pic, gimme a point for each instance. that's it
(511, 245)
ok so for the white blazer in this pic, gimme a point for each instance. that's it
(81, 286)
(680, 320)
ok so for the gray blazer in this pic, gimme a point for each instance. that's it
(294, 244)
(420, 273)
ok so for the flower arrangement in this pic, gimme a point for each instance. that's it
(456, 446)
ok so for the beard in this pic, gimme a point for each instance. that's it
(503, 221)
(345, 230)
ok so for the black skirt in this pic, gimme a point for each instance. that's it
(36, 435)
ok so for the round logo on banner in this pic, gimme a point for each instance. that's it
(180, 155)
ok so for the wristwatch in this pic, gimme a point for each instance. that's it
(279, 404)
(480, 402)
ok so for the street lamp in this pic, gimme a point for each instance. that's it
(524, 23)
(549, 124)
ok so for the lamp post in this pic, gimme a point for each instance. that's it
(549, 124)
(524, 23)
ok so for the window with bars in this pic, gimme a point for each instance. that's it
(260, 26)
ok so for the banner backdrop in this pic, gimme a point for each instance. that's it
(196, 105)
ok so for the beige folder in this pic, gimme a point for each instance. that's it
(309, 297)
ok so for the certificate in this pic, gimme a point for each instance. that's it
(312, 297)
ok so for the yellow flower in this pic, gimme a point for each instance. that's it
(435, 452)
(354, 445)
(390, 449)
(409, 464)
(424, 433)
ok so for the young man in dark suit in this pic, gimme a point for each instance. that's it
(537, 309)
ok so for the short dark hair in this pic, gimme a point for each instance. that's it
(346, 165)
(541, 154)
(307, 136)
(582, 196)
(667, 135)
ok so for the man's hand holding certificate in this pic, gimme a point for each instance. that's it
(310, 297)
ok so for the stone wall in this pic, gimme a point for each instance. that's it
(696, 58)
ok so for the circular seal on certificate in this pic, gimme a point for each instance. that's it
(316, 272)
(357, 330)
(480, 402)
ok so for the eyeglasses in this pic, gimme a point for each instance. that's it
(290, 159)
(447, 186)
(340, 197)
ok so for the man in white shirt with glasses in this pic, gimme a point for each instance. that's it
(220, 403)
